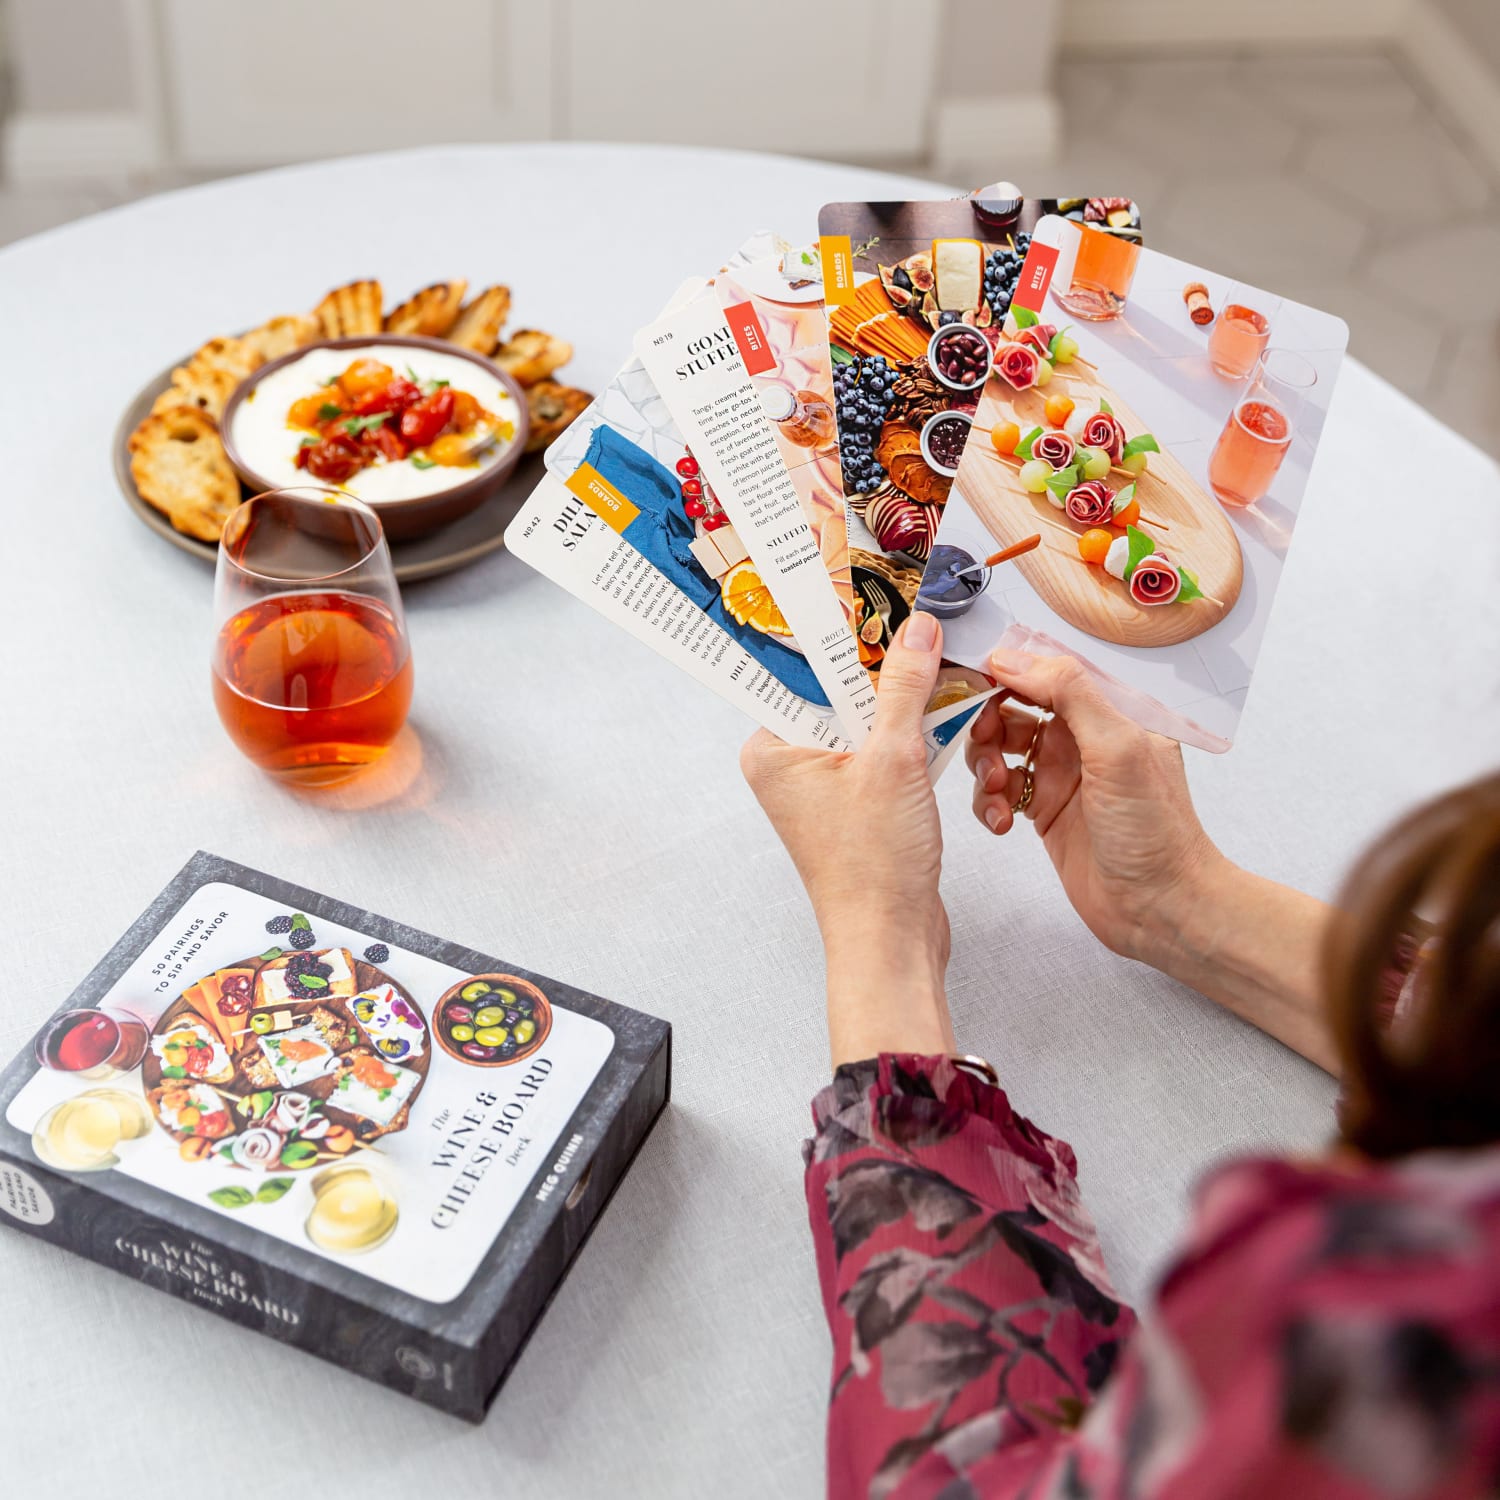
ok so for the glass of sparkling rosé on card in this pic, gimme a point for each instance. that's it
(1260, 428)
(312, 672)
(1241, 331)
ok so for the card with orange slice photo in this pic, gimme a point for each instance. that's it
(694, 362)
(628, 460)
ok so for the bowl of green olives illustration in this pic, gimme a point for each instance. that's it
(491, 1020)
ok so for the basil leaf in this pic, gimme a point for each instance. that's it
(840, 356)
(1024, 317)
(310, 441)
(1023, 448)
(1105, 407)
(418, 462)
(1145, 443)
(354, 426)
(271, 953)
(1189, 589)
(328, 411)
(231, 1197)
(300, 923)
(174, 1072)
(1141, 547)
(313, 982)
(299, 1154)
(273, 1188)
(1123, 498)
(1063, 481)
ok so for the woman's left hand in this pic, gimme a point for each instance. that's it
(862, 829)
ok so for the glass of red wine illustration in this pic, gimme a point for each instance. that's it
(95, 1044)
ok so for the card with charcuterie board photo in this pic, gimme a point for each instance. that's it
(914, 294)
(1141, 443)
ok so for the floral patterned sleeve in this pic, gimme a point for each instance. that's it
(970, 1308)
(1328, 1327)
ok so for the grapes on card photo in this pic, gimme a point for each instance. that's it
(914, 292)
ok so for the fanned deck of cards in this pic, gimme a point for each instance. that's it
(1004, 411)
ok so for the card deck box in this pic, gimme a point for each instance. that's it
(352, 1136)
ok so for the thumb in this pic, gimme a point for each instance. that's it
(908, 677)
(1063, 684)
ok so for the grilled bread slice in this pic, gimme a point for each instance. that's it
(479, 324)
(529, 355)
(180, 467)
(201, 383)
(351, 311)
(552, 406)
(429, 313)
(278, 336)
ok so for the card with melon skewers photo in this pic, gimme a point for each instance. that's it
(914, 293)
(1162, 453)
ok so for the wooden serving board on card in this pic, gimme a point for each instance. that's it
(1198, 534)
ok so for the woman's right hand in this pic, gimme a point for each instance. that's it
(1110, 801)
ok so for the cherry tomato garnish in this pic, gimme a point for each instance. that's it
(386, 441)
(466, 409)
(363, 377)
(397, 395)
(424, 419)
(335, 459)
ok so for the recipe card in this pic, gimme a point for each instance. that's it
(565, 538)
(1150, 427)
(626, 459)
(695, 367)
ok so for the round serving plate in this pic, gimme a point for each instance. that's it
(368, 977)
(457, 544)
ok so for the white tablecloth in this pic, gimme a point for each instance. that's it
(569, 801)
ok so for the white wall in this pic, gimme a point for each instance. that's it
(110, 86)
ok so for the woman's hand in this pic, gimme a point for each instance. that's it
(862, 830)
(1111, 803)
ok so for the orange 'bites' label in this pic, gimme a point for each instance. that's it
(602, 497)
(1036, 276)
(838, 268)
(751, 338)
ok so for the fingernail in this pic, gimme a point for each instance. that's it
(920, 632)
(1014, 662)
(992, 816)
(983, 770)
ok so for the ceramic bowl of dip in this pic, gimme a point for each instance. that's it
(412, 495)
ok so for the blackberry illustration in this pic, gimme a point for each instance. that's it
(278, 924)
(377, 953)
(307, 977)
(302, 938)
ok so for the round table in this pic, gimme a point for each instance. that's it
(569, 801)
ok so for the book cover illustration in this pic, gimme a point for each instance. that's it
(367, 1103)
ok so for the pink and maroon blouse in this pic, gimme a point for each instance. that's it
(1330, 1328)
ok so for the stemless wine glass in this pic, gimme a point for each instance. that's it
(1260, 427)
(1102, 273)
(1242, 330)
(312, 670)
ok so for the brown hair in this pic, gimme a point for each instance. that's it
(1421, 914)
